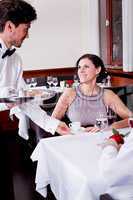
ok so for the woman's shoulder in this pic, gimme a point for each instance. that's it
(109, 95)
(108, 92)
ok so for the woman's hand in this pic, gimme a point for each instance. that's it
(92, 129)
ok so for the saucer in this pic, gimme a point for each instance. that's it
(79, 131)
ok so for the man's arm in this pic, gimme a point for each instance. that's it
(40, 117)
(116, 165)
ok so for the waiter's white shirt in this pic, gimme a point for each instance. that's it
(11, 76)
(10, 72)
(117, 169)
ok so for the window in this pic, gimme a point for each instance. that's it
(111, 31)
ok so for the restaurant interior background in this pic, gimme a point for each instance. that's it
(65, 30)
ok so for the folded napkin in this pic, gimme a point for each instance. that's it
(23, 122)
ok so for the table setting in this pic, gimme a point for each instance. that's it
(75, 174)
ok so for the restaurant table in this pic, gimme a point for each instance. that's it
(70, 165)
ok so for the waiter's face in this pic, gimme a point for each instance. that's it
(18, 34)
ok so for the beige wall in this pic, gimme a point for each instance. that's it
(64, 30)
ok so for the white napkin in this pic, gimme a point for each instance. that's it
(23, 122)
(39, 116)
(39, 154)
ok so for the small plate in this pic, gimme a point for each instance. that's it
(80, 131)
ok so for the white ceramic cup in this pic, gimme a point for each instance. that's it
(75, 126)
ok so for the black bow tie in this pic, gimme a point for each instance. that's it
(8, 52)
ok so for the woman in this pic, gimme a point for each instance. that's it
(87, 100)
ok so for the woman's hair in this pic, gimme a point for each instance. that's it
(97, 61)
(16, 11)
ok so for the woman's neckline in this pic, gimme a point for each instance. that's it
(92, 93)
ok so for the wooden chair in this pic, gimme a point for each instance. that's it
(105, 197)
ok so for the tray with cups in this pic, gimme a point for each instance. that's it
(44, 94)
(15, 99)
(12, 96)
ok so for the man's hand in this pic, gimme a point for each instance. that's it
(108, 142)
(63, 129)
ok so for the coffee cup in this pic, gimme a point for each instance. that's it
(75, 126)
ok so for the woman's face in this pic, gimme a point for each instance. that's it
(87, 70)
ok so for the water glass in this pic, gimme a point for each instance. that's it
(101, 121)
(111, 115)
(62, 84)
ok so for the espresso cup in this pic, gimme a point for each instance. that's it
(75, 126)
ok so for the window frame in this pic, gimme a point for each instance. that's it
(106, 33)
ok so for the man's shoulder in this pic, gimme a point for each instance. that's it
(17, 58)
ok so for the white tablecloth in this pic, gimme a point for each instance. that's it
(70, 165)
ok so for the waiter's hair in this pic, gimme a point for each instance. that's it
(16, 11)
(97, 61)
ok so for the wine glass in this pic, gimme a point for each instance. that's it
(49, 80)
(55, 81)
(31, 82)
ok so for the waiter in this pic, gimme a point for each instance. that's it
(15, 21)
(16, 17)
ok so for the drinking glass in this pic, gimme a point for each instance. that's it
(111, 115)
(55, 81)
(31, 82)
(49, 80)
(62, 85)
(101, 121)
(75, 79)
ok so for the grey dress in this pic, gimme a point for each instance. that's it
(86, 108)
